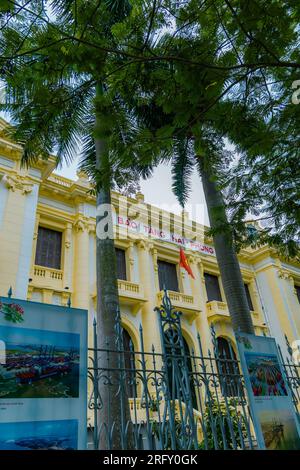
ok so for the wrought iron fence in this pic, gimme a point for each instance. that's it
(173, 398)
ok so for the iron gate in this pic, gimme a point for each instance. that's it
(178, 399)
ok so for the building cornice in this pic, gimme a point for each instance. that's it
(73, 193)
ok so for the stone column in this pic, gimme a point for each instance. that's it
(149, 317)
(286, 286)
(155, 264)
(270, 280)
(47, 296)
(67, 267)
(35, 237)
(198, 290)
(130, 262)
(18, 212)
(80, 297)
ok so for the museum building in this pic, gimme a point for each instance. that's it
(48, 249)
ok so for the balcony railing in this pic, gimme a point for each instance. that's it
(47, 277)
(219, 311)
(183, 302)
(129, 288)
(130, 294)
(60, 180)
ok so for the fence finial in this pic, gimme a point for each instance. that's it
(9, 293)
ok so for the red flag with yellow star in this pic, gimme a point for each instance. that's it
(184, 263)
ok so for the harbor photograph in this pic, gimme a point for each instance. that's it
(39, 364)
(39, 435)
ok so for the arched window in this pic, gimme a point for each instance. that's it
(129, 360)
(175, 364)
(228, 368)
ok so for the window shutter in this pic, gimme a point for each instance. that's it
(167, 275)
(212, 287)
(121, 264)
(250, 304)
(48, 249)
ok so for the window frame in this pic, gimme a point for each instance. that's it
(62, 236)
(230, 386)
(207, 273)
(249, 296)
(166, 261)
(121, 249)
(297, 292)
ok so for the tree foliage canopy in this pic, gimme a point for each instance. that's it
(182, 80)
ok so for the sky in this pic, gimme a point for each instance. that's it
(31, 336)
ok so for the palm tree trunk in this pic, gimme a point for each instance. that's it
(114, 413)
(226, 256)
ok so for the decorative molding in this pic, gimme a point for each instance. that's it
(81, 225)
(144, 244)
(286, 275)
(17, 182)
(92, 228)
(65, 296)
(67, 244)
(30, 292)
(191, 258)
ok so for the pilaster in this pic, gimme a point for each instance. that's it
(198, 292)
(80, 298)
(146, 274)
(16, 233)
(67, 259)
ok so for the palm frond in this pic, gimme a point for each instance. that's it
(182, 169)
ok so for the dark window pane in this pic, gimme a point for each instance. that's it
(121, 264)
(228, 369)
(48, 249)
(212, 287)
(298, 292)
(129, 363)
(250, 304)
(167, 275)
(179, 388)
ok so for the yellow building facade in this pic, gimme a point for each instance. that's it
(48, 252)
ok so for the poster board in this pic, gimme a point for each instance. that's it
(274, 418)
(43, 376)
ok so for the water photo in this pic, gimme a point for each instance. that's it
(265, 375)
(279, 430)
(39, 363)
(39, 435)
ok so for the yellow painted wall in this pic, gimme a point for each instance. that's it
(68, 206)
